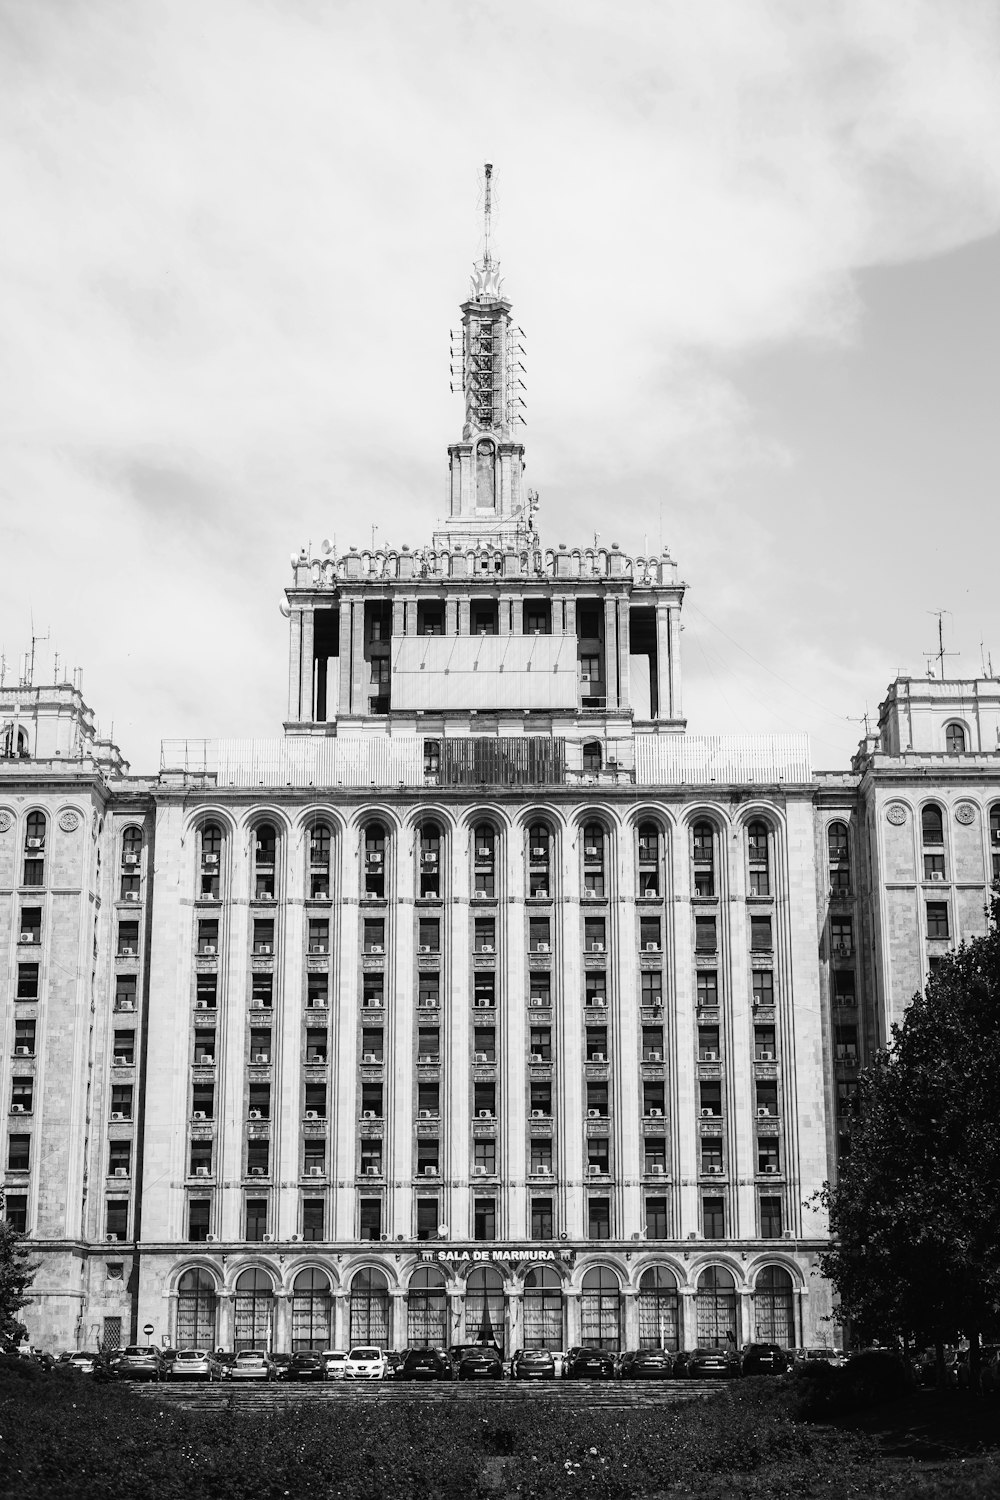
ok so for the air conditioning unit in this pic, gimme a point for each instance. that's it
(112, 1239)
(423, 948)
(540, 896)
(261, 1058)
(210, 859)
(656, 1169)
(706, 1114)
(27, 937)
(771, 1170)
(121, 1060)
(426, 1114)
(597, 1057)
(317, 1002)
(765, 1056)
(486, 948)
(538, 851)
(199, 1114)
(713, 1171)
(542, 1171)
(937, 874)
(126, 1005)
(256, 1171)
(121, 1171)
(314, 1171)
(268, 1239)
(708, 1056)
(255, 1004)
(263, 949)
(597, 947)
(763, 1112)
(118, 1114)
(371, 1171)
(206, 1060)
(654, 1057)
(656, 1003)
(590, 895)
(538, 1114)
(594, 1169)
(370, 1057)
(479, 1171)
(295, 1239)
(25, 1052)
(34, 843)
(483, 1002)
(368, 1114)
(429, 857)
(593, 1114)
(430, 1171)
(536, 1001)
(320, 896)
(486, 1114)
(536, 1057)
(842, 950)
(21, 1109)
(211, 1239)
(542, 948)
(481, 895)
(312, 1114)
(130, 896)
(374, 857)
(255, 1114)
(652, 947)
(426, 1002)
(208, 949)
(377, 948)
(126, 953)
(598, 1001)
(130, 859)
(201, 1172)
(655, 1114)
(591, 851)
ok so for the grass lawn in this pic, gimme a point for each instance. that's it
(66, 1437)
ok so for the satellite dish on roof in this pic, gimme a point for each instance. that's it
(327, 545)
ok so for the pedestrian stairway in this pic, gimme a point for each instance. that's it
(583, 1394)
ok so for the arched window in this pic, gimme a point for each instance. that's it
(539, 861)
(131, 845)
(210, 862)
(649, 859)
(592, 757)
(774, 1310)
(254, 1310)
(430, 861)
(264, 862)
(932, 835)
(197, 1310)
(432, 748)
(34, 849)
(593, 860)
(370, 1309)
(716, 1308)
(374, 862)
(318, 867)
(954, 738)
(484, 1307)
(703, 859)
(484, 847)
(427, 1310)
(8, 748)
(659, 1326)
(600, 1309)
(838, 850)
(758, 859)
(312, 1305)
(543, 1309)
(995, 838)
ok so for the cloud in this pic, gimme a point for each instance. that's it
(238, 232)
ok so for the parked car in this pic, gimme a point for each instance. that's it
(82, 1361)
(559, 1360)
(804, 1358)
(714, 1364)
(141, 1362)
(334, 1361)
(763, 1359)
(427, 1364)
(307, 1364)
(589, 1364)
(394, 1363)
(253, 1364)
(478, 1361)
(647, 1364)
(282, 1364)
(226, 1359)
(364, 1363)
(533, 1364)
(194, 1364)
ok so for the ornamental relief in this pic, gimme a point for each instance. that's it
(896, 813)
(69, 820)
(6, 820)
(965, 812)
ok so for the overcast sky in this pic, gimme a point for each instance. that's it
(754, 248)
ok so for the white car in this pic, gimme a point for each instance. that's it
(335, 1361)
(365, 1363)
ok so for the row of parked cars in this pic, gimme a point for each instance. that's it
(461, 1362)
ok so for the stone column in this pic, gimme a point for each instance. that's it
(456, 1312)
(631, 1307)
(688, 1317)
(307, 667)
(744, 1316)
(464, 615)
(514, 1321)
(341, 1319)
(574, 1318)
(294, 663)
(675, 663)
(664, 704)
(397, 1318)
(282, 1330)
(225, 1322)
(624, 683)
(451, 616)
(611, 683)
(344, 703)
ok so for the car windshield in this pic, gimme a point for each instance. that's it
(192, 1354)
(365, 1354)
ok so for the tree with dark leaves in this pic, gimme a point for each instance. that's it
(17, 1272)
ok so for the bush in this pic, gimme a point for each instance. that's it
(869, 1379)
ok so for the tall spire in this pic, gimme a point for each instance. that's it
(486, 283)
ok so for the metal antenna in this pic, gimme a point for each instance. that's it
(940, 654)
(487, 211)
(862, 719)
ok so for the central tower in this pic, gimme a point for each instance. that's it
(487, 503)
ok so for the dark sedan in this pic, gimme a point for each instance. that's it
(427, 1364)
(712, 1364)
(478, 1362)
(308, 1364)
(647, 1364)
(589, 1364)
(763, 1359)
(533, 1364)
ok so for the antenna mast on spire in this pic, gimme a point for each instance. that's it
(487, 211)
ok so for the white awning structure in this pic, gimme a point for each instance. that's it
(465, 672)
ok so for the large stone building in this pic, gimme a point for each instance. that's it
(486, 1000)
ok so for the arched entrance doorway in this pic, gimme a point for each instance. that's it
(543, 1309)
(370, 1309)
(601, 1309)
(254, 1311)
(484, 1307)
(426, 1310)
(197, 1311)
(774, 1307)
(659, 1323)
(312, 1306)
(716, 1304)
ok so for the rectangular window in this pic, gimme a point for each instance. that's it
(599, 1218)
(484, 1044)
(260, 1101)
(767, 1154)
(316, 1045)
(18, 1153)
(428, 1157)
(262, 990)
(427, 1218)
(933, 866)
(371, 1218)
(705, 940)
(541, 1100)
(199, 1219)
(116, 1218)
(124, 1053)
(21, 1095)
(763, 987)
(484, 1099)
(540, 1044)
(652, 1098)
(651, 981)
(654, 1154)
(710, 1096)
(319, 935)
(429, 989)
(372, 990)
(374, 935)
(539, 935)
(372, 1044)
(708, 1043)
(121, 1100)
(540, 987)
(260, 1046)
(17, 1204)
(314, 1157)
(596, 987)
(485, 1154)
(846, 1042)
(597, 1044)
(713, 1217)
(594, 935)
(485, 935)
(256, 1219)
(770, 1218)
(24, 1037)
(656, 1219)
(598, 1153)
(760, 935)
(27, 982)
(597, 1098)
(650, 935)
(937, 919)
(593, 881)
(313, 1219)
(208, 937)
(652, 1044)
(371, 1101)
(30, 926)
(429, 935)
(371, 1158)
(203, 1100)
(764, 1043)
(258, 1158)
(767, 1096)
(541, 1153)
(128, 939)
(711, 1156)
(316, 1100)
(201, 1159)
(119, 1158)
(206, 991)
(263, 937)
(541, 1219)
(428, 1100)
